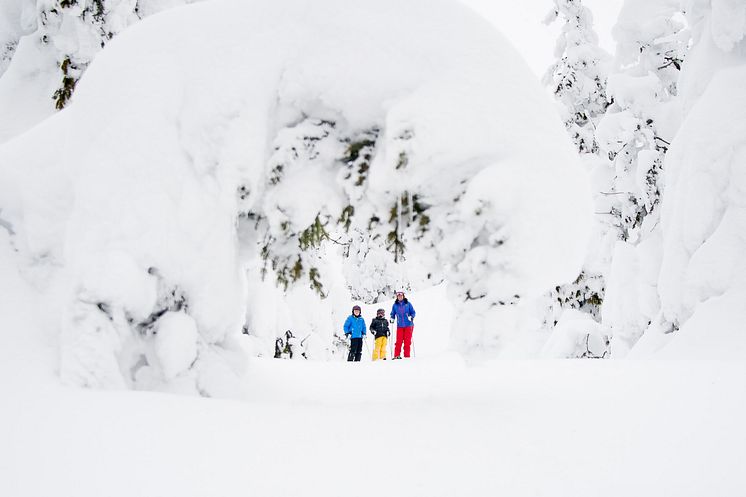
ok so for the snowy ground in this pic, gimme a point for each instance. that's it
(429, 426)
(421, 428)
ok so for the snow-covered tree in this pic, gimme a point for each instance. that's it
(629, 136)
(652, 41)
(635, 135)
(52, 43)
(701, 276)
(76, 30)
(579, 82)
(316, 155)
(11, 30)
(578, 78)
(303, 159)
(430, 150)
(6, 53)
(7, 48)
(632, 119)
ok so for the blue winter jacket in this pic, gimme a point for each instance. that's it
(355, 326)
(404, 313)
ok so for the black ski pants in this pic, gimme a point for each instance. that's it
(356, 349)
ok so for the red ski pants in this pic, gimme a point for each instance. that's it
(403, 335)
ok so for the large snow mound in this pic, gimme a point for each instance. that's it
(171, 130)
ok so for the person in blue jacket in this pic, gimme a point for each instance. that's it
(404, 313)
(354, 327)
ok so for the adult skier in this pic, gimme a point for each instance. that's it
(404, 313)
(354, 328)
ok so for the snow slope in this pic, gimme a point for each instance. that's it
(427, 427)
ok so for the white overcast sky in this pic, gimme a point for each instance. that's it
(522, 23)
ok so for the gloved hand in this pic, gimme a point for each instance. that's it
(391, 320)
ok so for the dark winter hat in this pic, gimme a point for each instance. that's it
(381, 311)
(356, 308)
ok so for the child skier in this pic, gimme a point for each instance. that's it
(380, 328)
(354, 327)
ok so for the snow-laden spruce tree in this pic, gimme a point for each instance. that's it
(51, 43)
(373, 250)
(159, 189)
(634, 134)
(652, 41)
(11, 30)
(702, 279)
(578, 80)
(76, 30)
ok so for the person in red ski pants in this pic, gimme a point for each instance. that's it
(404, 313)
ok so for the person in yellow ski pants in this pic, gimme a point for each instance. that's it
(380, 328)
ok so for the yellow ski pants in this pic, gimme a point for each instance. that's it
(379, 349)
